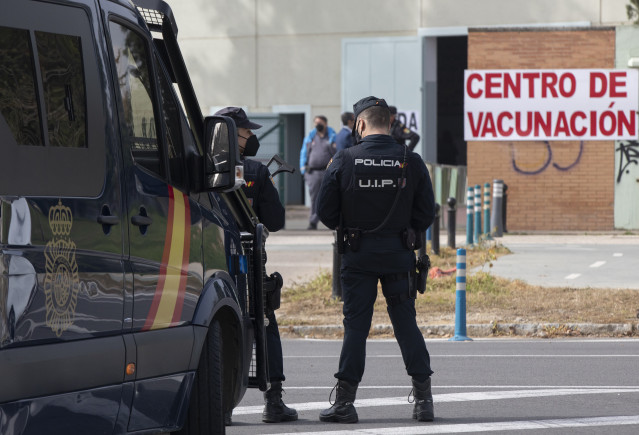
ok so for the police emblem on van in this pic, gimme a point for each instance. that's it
(61, 283)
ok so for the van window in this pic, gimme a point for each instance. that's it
(18, 100)
(60, 58)
(139, 130)
(52, 142)
(171, 118)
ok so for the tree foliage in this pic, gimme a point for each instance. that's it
(632, 10)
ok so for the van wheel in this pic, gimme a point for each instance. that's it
(206, 408)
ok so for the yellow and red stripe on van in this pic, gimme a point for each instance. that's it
(166, 308)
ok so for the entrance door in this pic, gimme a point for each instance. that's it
(282, 134)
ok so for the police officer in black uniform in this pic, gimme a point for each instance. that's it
(400, 132)
(381, 194)
(263, 196)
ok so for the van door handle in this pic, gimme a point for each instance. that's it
(141, 221)
(108, 220)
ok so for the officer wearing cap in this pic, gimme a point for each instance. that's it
(263, 196)
(400, 132)
(380, 192)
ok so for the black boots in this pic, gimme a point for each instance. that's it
(342, 410)
(274, 408)
(423, 410)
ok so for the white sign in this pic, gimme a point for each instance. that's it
(409, 119)
(563, 104)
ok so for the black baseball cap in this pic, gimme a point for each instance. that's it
(239, 116)
(367, 102)
(364, 104)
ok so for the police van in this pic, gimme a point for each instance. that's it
(131, 263)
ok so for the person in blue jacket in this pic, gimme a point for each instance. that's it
(344, 137)
(264, 199)
(317, 149)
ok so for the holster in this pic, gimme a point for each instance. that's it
(273, 291)
(354, 239)
(421, 273)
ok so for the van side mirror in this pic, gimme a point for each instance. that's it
(223, 169)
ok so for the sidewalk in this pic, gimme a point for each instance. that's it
(300, 254)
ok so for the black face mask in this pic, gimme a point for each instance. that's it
(320, 128)
(356, 136)
(251, 147)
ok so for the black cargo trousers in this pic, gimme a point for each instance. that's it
(380, 258)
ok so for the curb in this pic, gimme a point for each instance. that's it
(494, 329)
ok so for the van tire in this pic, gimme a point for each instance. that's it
(206, 408)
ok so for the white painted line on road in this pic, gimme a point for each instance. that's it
(617, 254)
(449, 397)
(559, 423)
(478, 356)
(475, 387)
(598, 264)
(573, 276)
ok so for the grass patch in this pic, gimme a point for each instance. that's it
(489, 298)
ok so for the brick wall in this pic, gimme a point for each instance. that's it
(576, 189)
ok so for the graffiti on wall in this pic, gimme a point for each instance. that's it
(628, 154)
(543, 165)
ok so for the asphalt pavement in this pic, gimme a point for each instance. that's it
(503, 386)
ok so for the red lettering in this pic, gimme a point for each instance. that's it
(474, 128)
(515, 86)
(548, 83)
(562, 85)
(469, 85)
(489, 126)
(598, 78)
(492, 82)
(602, 123)
(573, 124)
(593, 123)
(628, 123)
(617, 79)
(562, 125)
(531, 82)
(544, 124)
(518, 124)
(500, 124)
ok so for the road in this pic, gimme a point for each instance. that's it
(578, 261)
(601, 261)
(492, 386)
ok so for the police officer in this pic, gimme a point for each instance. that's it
(381, 193)
(263, 196)
(400, 132)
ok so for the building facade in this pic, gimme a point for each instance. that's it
(294, 59)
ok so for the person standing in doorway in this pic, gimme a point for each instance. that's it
(317, 150)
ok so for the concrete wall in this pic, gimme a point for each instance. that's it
(575, 191)
(261, 53)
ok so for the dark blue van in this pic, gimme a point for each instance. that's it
(131, 264)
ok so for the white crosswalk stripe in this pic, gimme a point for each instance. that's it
(450, 397)
(563, 423)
